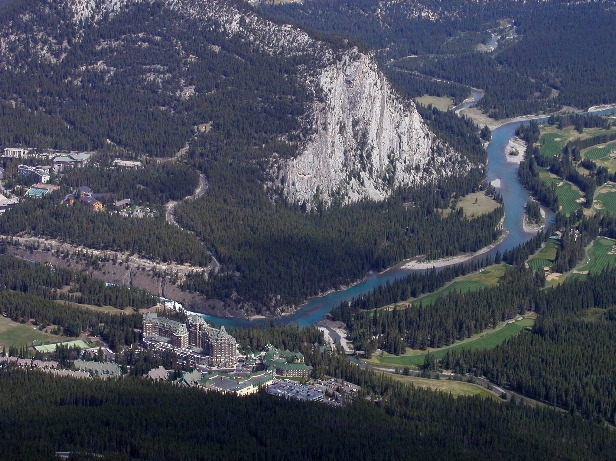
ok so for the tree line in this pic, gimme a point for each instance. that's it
(193, 424)
(50, 283)
(567, 358)
(149, 237)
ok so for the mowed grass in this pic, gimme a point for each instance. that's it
(17, 334)
(552, 143)
(462, 286)
(537, 264)
(552, 140)
(455, 388)
(466, 283)
(606, 203)
(568, 194)
(487, 341)
(599, 152)
(600, 257)
(104, 309)
(440, 102)
(545, 256)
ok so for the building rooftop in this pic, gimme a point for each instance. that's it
(73, 157)
(124, 202)
(176, 327)
(189, 379)
(226, 383)
(158, 374)
(90, 200)
(99, 368)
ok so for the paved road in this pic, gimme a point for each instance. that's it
(170, 215)
(434, 375)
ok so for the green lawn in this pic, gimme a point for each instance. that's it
(600, 257)
(474, 205)
(537, 264)
(442, 103)
(552, 144)
(545, 256)
(597, 153)
(567, 193)
(455, 388)
(17, 334)
(607, 203)
(470, 282)
(462, 286)
(488, 341)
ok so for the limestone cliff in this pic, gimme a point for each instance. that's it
(359, 138)
(366, 140)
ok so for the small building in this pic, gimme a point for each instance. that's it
(133, 165)
(16, 152)
(7, 203)
(40, 190)
(122, 204)
(70, 199)
(189, 379)
(84, 191)
(99, 369)
(71, 160)
(96, 205)
(158, 374)
(42, 173)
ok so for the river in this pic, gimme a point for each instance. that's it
(514, 198)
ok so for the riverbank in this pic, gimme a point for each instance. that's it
(450, 261)
(534, 228)
(482, 119)
(601, 107)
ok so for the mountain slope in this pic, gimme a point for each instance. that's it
(356, 138)
(262, 106)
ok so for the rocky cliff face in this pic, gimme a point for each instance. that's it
(366, 140)
(359, 140)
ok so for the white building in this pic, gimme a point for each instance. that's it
(16, 152)
(127, 164)
(42, 173)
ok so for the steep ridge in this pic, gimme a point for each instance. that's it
(367, 141)
(358, 138)
(279, 121)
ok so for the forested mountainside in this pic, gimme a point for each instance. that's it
(539, 63)
(300, 136)
(405, 423)
(323, 120)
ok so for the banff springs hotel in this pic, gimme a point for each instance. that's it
(201, 342)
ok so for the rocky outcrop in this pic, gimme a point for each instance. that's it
(359, 138)
(366, 140)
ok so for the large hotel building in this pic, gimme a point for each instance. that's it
(218, 345)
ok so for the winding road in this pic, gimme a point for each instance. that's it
(499, 391)
(170, 215)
